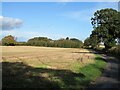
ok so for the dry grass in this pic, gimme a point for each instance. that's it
(55, 58)
(45, 67)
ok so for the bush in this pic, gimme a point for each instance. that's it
(115, 51)
(8, 41)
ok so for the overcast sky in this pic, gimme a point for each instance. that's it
(54, 20)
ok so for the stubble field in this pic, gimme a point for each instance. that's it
(47, 67)
(56, 58)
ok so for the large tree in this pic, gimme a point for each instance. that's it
(8, 40)
(106, 24)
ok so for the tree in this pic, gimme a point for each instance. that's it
(91, 42)
(106, 24)
(67, 38)
(0, 43)
(8, 40)
(75, 40)
(87, 42)
(66, 43)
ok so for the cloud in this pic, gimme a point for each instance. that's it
(8, 23)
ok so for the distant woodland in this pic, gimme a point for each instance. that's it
(44, 41)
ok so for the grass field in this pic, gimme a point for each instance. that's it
(26, 66)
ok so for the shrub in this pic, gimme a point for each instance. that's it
(115, 51)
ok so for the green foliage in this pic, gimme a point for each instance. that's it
(106, 24)
(21, 43)
(91, 42)
(65, 43)
(0, 43)
(67, 38)
(92, 71)
(43, 41)
(8, 41)
(87, 42)
(115, 51)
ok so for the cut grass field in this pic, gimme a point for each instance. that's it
(56, 58)
(41, 67)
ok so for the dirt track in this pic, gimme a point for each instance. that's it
(110, 77)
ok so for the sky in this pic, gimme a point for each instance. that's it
(54, 20)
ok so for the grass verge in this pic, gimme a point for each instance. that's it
(93, 71)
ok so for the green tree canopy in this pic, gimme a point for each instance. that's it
(8, 40)
(87, 42)
(66, 43)
(106, 24)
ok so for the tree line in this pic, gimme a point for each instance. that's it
(43, 41)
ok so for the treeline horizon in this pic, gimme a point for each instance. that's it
(43, 41)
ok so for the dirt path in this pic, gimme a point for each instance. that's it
(110, 77)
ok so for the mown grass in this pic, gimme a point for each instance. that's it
(16, 74)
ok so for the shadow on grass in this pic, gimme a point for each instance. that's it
(19, 75)
(100, 59)
(91, 51)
